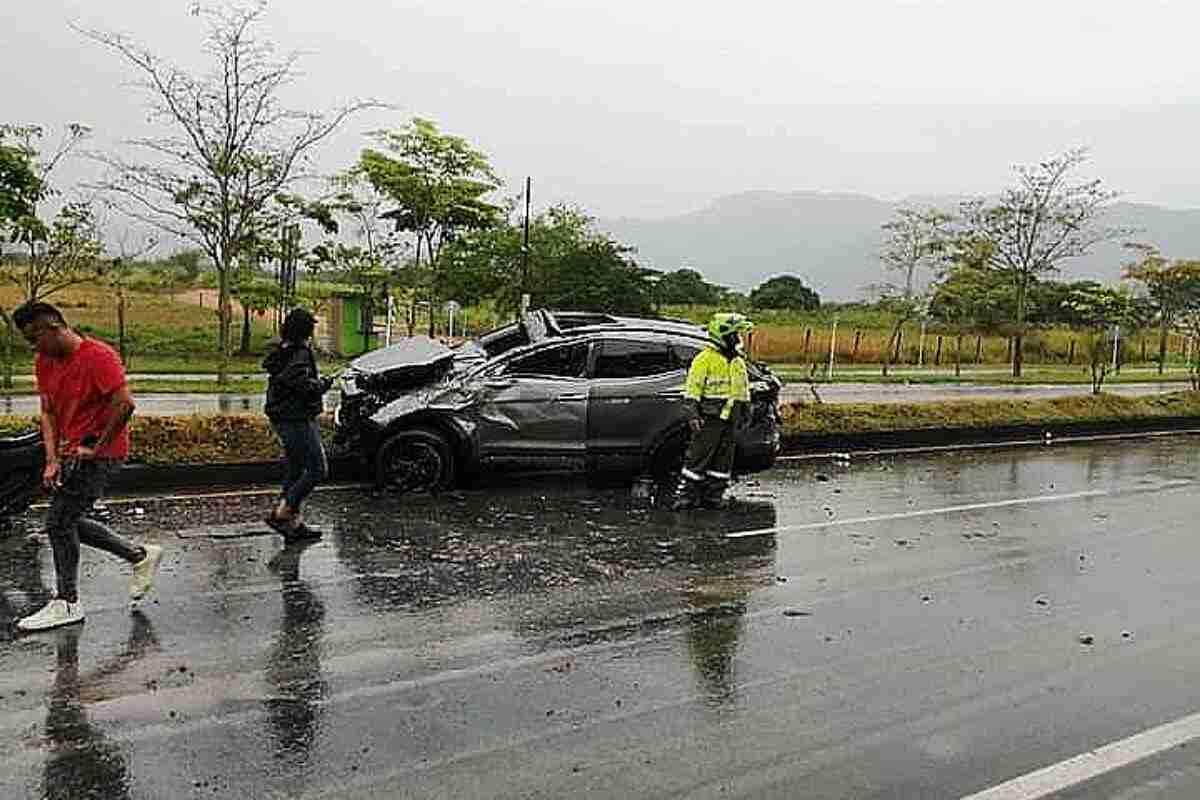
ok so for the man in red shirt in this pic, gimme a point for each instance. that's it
(86, 407)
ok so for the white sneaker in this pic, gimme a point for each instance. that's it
(54, 614)
(144, 572)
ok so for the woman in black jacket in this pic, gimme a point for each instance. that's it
(294, 391)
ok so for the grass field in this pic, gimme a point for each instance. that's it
(165, 333)
(170, 334)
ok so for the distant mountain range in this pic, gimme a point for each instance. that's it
(832, 239)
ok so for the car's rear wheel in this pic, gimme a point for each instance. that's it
(417, 460)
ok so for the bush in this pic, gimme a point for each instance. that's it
(196, 439)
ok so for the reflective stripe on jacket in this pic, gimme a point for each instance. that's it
(714, 376)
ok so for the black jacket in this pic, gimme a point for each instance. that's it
(295, 387)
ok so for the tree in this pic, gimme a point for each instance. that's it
(968, 294)
(686, 287)
(1102, 310)
(375, 260)
(437, 183)
(129, 253)
(915, 240)
(1187, 322)
(233, 145)
(785, 292)
(572, 266)
(1172, 287)
(1033, 227)
(20, 183)
(50, 256)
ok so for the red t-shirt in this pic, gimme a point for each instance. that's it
(78, 390)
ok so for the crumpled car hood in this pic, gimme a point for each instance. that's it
(411, 362)
(409, 352)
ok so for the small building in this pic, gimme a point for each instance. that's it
(351, 324)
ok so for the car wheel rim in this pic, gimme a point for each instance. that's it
(413, 465)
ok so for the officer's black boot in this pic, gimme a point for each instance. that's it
(686, 494)
(712, 494)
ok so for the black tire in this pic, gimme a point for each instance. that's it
(415, 460)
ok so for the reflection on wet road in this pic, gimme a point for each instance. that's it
(889, 628)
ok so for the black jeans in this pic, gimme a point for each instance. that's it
(304, 459)
(68, 525)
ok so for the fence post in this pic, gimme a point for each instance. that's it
(958, 356)
(807, 337)
(899, 340)
(832, 347)
(1116, 347)
(854, 352)
(921, 346)
(937, 356)
(1071, 353)
(978, 348)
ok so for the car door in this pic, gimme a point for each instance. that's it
(531, 408)
(636, 394)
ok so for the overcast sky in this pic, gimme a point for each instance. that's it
(656, 107)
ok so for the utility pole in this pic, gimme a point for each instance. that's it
(525, 245)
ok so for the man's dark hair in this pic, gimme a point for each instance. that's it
(298, 325)
(24, 314)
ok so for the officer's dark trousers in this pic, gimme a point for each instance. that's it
(709, 456)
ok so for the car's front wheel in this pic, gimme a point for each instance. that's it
(415, 460)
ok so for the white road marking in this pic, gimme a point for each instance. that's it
(929, 512)
(1092, 764)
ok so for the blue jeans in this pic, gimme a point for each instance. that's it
(304, 459)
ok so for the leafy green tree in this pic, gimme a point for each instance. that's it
(571, 266)
(785, 292)
(1101, 309)
(686, 287)
(1032, 227)
(186, 265)
(235, 145)
(966, 293)
(437, 184)
(21, 186)
(1172, 287)
(50, 255)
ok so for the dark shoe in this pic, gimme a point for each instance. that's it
(281, 526)
(302, 533)
(685, 496)
(712, 495)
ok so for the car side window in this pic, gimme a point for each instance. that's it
(625, 358)
(569, 361)
(684, 353)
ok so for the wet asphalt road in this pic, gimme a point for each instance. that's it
(884, 628)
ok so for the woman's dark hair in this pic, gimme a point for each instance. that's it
(298, 325)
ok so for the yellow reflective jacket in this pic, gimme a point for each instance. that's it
(716, 383)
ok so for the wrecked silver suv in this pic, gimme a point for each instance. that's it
(555, 391)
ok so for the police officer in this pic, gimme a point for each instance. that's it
(717, 393)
